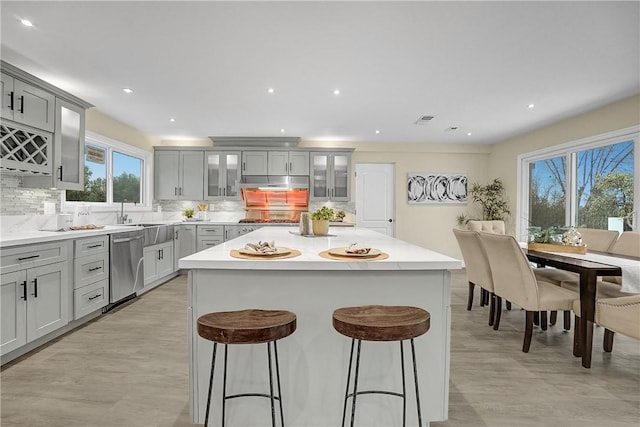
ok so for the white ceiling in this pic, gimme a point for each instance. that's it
(473, 65)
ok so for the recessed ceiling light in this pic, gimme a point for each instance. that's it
(469, 133)
(336, 91)
(281, 130)
(127, 90)
(530, 106)
(377, 131)
(271, 90)
(172, 120)
(26, 23)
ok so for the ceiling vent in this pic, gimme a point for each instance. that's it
(451, 128)
(255, 141)
(423, 120)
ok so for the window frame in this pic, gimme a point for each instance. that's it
(569, 150)
(111, 145)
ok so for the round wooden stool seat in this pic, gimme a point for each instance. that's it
(246, 326)
(381, 322)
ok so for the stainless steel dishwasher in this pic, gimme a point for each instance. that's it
(127, 269)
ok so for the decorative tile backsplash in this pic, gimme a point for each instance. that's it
(18, 200)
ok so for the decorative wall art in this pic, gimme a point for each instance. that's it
(431, 188)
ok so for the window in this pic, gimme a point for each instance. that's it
(114, 172)
(588, 183)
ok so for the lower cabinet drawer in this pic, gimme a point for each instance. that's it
(209, 242)
(90, 269)
(90, 298)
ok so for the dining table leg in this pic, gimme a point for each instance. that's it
(588, 281)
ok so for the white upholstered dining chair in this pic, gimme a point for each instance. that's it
(616, 315)
(495, 226)
(514, 279)
(477, 268)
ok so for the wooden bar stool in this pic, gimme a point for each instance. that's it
(247, 327)
(381, 323)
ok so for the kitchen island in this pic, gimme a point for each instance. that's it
(314, 360)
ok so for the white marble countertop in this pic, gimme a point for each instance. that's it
(35, 236)
(402, 255)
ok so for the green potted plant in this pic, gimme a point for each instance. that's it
(320, 220)
(491, 200)
(340, 215)
(188, 213)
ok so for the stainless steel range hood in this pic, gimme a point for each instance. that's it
(275, 182)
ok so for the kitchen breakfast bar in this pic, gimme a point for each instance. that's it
(315, 358)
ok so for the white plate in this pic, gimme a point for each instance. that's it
(343, 252)
(279, 251)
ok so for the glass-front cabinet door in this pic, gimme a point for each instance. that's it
(340, 177)
(330, 176)
(69, 146)
(222, 175)
(319, 176)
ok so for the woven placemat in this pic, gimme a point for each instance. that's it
(327, 255)
(236, 254)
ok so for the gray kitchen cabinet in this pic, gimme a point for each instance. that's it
(179, 175)
(91, 275)
(185, 242)
(233, 231)
(254, 162)
(42, 131)
(209, 235)
(288, 163)
(330, 176)
(222, 175)
(68, 150)
(35, 302)
(158, 262)
(27, 104)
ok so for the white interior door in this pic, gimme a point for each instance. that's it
(375, 197)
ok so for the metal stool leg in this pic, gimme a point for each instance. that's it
(355, 386)
(346, 392)
(415, 376)
(404, 387)
(213, 362)
(275, 350)
(224, 384)
(273, 408)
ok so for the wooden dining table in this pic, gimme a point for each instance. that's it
(589, 272)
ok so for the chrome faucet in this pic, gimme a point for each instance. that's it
(122, 218)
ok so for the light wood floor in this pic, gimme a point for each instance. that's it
(129, 368)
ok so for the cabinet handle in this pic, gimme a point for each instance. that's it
(180, 191)
(95, 268)
(244, 166)
(35, 288)
(94, 246)
(24, 290)
(60, 174)
(11, 102)
(290, 167)
(94, 297)
(28, 257)
(159, 255)
(175, 191)
(22, 104)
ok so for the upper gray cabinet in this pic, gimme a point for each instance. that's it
(254, 163)
(68, 150)
(27, 104)
(288, 163)
(41, 131)
(179, 175)
(222, 175)
(330, 176)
